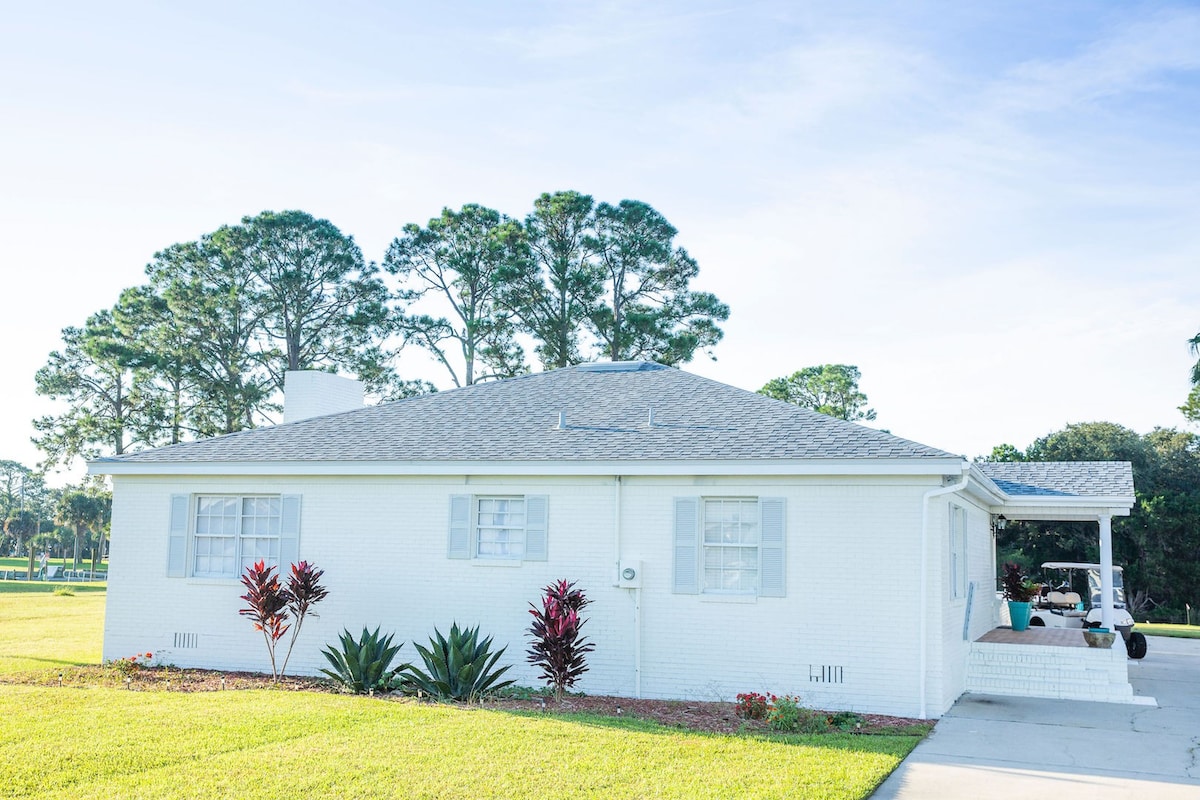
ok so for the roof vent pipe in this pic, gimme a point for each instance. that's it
(650, 419)
(562, 420)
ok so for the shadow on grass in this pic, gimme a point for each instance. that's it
(58, 662)
(834, 740)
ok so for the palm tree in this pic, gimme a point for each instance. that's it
(82, 510)
(22, 526)
(1194, 343)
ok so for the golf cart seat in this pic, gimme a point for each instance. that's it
(1064, 599)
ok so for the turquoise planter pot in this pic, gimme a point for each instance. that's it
(1019, 613)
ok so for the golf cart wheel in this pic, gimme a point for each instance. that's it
(1136, 646)
(1037, 622)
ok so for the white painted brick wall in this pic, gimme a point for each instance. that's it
(853, 547)
(948, 678)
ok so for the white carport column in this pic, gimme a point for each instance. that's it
(1106, 572)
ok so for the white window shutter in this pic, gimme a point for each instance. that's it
(686, 579)
(536, 506)
(459, 544)
(772, 565)
(289, 533)
(177, 536)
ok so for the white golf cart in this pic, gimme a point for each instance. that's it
(1059, 607)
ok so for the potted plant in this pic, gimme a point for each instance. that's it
(1019, 593)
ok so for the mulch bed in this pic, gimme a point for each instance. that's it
(712, 717)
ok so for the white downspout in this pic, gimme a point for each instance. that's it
(636, 595)
(637, 643)
(923, 638)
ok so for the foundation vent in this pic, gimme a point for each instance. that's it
(187, 641)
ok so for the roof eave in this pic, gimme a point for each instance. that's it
(816, 466)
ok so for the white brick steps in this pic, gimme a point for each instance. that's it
(1069, 673)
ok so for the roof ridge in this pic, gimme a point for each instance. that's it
(695, 418)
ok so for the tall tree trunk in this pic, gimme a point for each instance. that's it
(78, 541)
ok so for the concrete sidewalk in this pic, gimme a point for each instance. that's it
(1004, 747)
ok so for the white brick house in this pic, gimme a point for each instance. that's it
(772, 548)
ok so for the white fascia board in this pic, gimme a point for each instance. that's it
(865, 466)
(1064, 509)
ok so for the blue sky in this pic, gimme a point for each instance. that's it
(991, 209)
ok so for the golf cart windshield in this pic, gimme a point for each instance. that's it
(1094, 588)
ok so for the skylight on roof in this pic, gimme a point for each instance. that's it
(619, 366)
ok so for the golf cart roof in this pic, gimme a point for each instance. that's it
(1074, 565)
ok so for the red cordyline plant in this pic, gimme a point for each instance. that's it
(557, 647)
(269, 605)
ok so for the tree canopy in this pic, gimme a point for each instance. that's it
(830, 389)
(459, 258)
(1158, 543)
(84, 511)
(202, 347)
(650, 312)
(553, 290)
(108, 395)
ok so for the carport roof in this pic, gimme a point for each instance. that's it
(1049, 479)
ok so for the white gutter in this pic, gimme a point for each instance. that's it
(359, 468)
(923, 638)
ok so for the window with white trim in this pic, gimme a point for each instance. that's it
(497, 527)
(500, 527)
(958, 552)
(232, 533)
(729, 546)
(730, 528)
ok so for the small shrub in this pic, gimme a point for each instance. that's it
(787, 715)
(269, 605)
(459, 667)
(1016, 588)
(131, 664)
(304, 590)
(364, 665)
(266, 606)
(845, 720)
(752, 705)
(524, 692)
(557, 646)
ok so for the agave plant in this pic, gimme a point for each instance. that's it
(460, 667)
(363, 665)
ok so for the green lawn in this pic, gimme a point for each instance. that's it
(1163, 629)
(110, 742)
(42, 630)
(23, 563)
(277, 744)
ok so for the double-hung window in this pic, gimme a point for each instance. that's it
(218, 536)
(729, 546)
(500, 527)
(491, 527)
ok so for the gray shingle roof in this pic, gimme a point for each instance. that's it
(516, 420)
(1062, 478)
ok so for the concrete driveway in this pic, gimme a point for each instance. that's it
(1004, 747)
